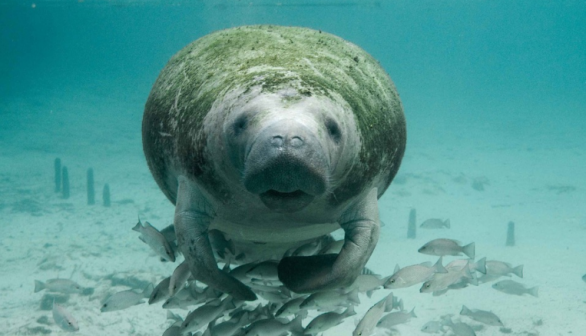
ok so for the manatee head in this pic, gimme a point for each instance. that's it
(287, 146)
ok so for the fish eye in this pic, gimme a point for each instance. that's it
(428, 285)
(392, 280)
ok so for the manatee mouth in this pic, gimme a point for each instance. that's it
(285, 201)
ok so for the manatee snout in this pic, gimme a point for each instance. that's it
(286, 166)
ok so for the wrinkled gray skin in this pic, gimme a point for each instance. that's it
(275, 136)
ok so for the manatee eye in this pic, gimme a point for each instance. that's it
(333, 129)
(240, 124)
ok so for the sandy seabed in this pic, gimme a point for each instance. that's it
(537, 182)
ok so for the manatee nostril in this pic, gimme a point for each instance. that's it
(333, 129)
(277, 141)
(296, 141)
(240, 124)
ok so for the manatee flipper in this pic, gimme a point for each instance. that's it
(193, 216)
(321, 272)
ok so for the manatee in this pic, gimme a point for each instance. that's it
(274, 136)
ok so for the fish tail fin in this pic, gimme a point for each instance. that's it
(296, 328)
(349, 311)
(469, 250)
(39, 286)
(148, 290)
(400, 305)
(412, 313)
(533, 291)
(438, 267)
(465, 311)
(369, 293)
(353, 297)
(481, 265)
(518, 271)
(447, 223)
(138, 226)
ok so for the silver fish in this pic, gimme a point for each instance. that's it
(495, 267)
(435, 223)
(367, 324)
(59, 286)
(275, 327)
(459, 329)
(513, 287)
(327, 320)
(220, 244)
(179, 278)
(441, 281)
(432, 327)
(458, 264)
(266, 270)
(414, 274)
(229, 327)
(63, 319)
(393, 319)
(161, 291)
(203, 315)
(367, 283)
(482, 316)
(125, 299)
(155, 239)
(442, 247)
(291, 307)
(331, 298)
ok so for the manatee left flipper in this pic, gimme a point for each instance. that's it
(322, 272)
(192, 219)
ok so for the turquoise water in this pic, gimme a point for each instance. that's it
(493, 91)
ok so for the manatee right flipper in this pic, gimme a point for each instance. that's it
(193, 216)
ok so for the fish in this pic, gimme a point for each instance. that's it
(584, 278)
(275, 327)
(327, 320)
(125, 299)
(64, 286)
(203, 315)
(432, 327)
(291, 307)
(266, 270)
(414, 274)
(500, 268)
(442, 247)
(442, 281)
(64, 319)
(459, 328)
(479, 266)
(331, 298)
(229, 327)
(435, 223)
(161, 291)
(482, 316)
(367, 283)
(155, 240)
(515, 288)
(393, 319)
(368, 322)
(220, 244)
(393, 303)
(173, 331)
(179, 278)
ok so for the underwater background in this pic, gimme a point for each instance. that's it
(494, 93)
